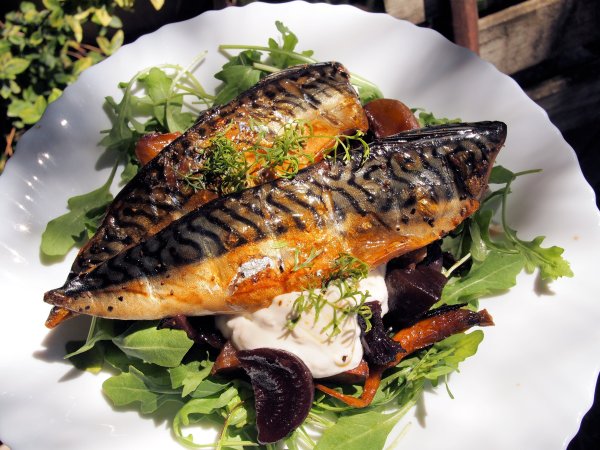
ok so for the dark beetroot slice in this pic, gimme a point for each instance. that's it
(207, 331)
(435, 257)
(409, 259)
(411, 292)
(378, 347)
(283, 391)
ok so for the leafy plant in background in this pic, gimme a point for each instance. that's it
(44, 50)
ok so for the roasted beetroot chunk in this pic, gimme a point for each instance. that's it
(283, 391)
(378, 347)
(412, 291)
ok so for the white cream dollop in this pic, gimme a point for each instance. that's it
(323, 354)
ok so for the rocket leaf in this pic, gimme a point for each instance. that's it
(189, 376)
(360, 431)
(163, 347)
(288, 44)
(127, 388)
(100, 330)
(65, 231)
(495, 274)
(548, 259)
(238, 75)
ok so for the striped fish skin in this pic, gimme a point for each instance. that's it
(237, 252)
(319, 95)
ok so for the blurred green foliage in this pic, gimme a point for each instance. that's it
(44, 48)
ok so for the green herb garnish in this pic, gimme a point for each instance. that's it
(308, 262)
(348, 266)
(286, 152)
(347, 272)
(225, 169)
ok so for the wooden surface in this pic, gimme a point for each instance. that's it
(411, 10)
(530, 32)
(571, 98)
(465, 23)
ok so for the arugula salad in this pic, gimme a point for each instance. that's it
(156, 367)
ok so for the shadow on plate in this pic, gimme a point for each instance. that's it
(55, 342)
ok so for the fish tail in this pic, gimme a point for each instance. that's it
(58, 315)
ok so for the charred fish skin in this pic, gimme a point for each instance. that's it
(319, 93)
(413, 189)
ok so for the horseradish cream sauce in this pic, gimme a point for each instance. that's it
(323, 354)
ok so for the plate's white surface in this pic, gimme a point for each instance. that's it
(533, 377)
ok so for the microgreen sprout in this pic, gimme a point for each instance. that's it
(308, 262)
(344, 143)
(225, 170)
(286, 153)
(347, 272)
(348, 266)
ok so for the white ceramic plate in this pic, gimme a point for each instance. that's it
(533, 377)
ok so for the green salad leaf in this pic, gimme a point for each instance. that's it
(360, 431)
(495, 274)
(85, 212)
(243, 71)
(427, 119)
(163, 347)
(288, 44)
(548, 260)
(496, 262)
(190, 376)
(238, 75)
(100, 330)
(127, 388)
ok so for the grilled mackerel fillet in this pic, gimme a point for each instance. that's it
(317, 96)
(237, 252)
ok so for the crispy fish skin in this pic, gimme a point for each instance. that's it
(318, 95)
(227, 256)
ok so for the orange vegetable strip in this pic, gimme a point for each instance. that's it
(420, 335)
